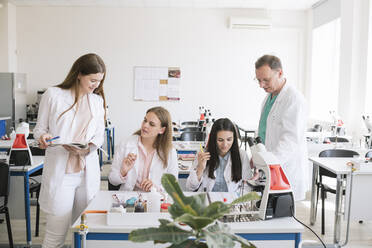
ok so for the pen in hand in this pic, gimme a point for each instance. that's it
(201, 148)
(54, 138)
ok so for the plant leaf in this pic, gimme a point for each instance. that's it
(247, 197)
(216, 210)
(161, 234)
(198, 202)
(172, 187)
(190, 243)
(243, 242)
(164, 222)
(193, 205)
(175, 211)
(220, 235)
(217, 238)
(195, 222)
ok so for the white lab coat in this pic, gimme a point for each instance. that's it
(206, 182)
(156, 170)
(285, 137)
(53, 102)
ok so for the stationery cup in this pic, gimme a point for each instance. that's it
(153, 202)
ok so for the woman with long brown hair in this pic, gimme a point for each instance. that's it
(141, 160)
(71, 112)
(223, 166)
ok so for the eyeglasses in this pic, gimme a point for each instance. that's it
(263, 81)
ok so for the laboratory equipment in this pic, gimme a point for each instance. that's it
(13, 97)
(277, 196)
(24, 128)
(368, 137)
(20, 153)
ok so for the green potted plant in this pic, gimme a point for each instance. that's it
(204, 228)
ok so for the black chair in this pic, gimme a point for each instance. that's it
(189, 123)
(369, 154)
(338, 139)
(4, 193)
(316, 128)
(326, 173)
(190, 129)
(192, 136)
(113, 187)
(243, 138)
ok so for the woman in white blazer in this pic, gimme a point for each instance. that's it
(142, 159)
(223, 166)
(75, 111)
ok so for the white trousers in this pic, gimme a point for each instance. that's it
(70, 202)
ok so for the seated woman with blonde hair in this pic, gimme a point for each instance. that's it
(142, 159)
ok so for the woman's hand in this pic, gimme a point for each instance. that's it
(43, 144)
(255, 171)
(128, 164)
(146, 185)
(203, 157)
(256, 174)
(76, 151)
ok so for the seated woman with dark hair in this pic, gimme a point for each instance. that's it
(223, 165)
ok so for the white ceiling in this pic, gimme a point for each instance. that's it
(254, 4)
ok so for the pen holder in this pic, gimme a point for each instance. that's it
(153, 202)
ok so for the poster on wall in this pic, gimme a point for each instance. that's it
(157, 83)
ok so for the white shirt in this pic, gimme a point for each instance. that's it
(207, 183)
(156, 170)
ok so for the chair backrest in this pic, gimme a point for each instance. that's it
(237, 129)
(369, 154)
(339, 139)
(36, 151)
(334, 153)
(192, 136)
(338, 153)
(190, 129)
(113, 187)
(4, 179)
(189, 123)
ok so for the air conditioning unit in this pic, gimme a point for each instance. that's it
(250, 23)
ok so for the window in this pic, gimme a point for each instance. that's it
(325, 70)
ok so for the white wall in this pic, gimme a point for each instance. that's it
(354, 61)
(217, 63)
(326, 12)
(8, 57)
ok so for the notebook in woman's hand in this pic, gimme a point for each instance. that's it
(81, 146)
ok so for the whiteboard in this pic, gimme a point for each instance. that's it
(157, 83)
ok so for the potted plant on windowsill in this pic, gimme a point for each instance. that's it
(204, 228)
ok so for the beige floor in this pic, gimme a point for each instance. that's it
(360, 235)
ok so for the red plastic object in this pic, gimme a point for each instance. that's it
(20, 141)
(164, 207)
(278, 179)
(202, 117)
